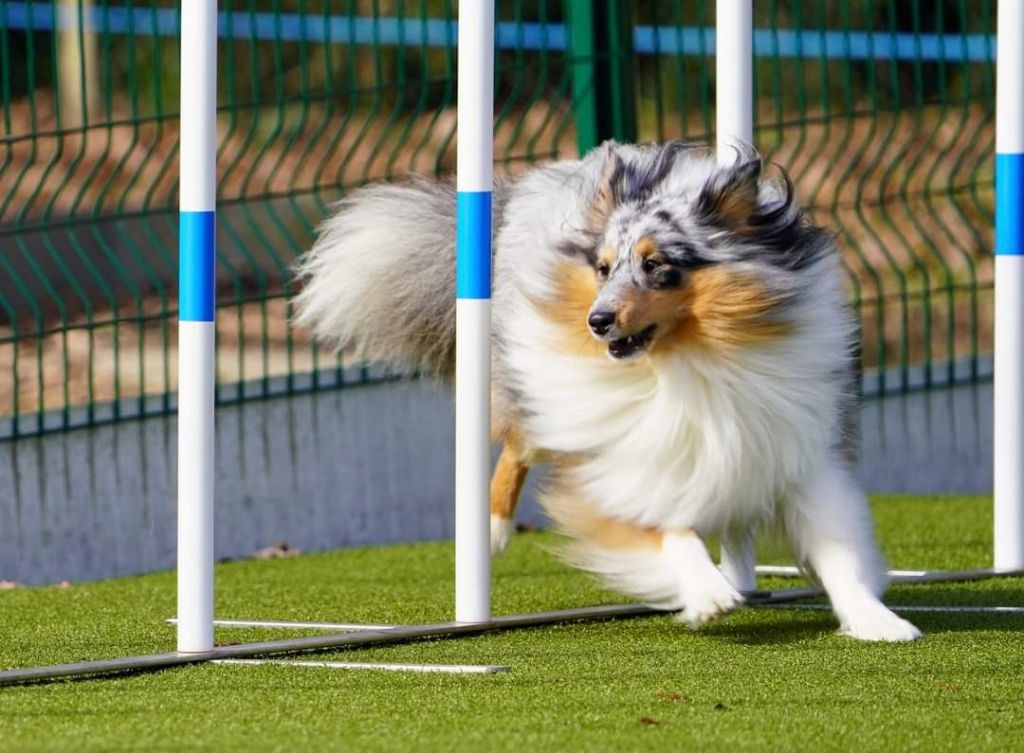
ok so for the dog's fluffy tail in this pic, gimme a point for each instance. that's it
(380, 280)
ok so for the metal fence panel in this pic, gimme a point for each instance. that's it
(881, 110)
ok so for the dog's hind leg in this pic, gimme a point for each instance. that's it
(738, 557)
(669, 569)
(829, 526)
(506, 485)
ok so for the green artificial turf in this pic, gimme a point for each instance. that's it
(760, 679)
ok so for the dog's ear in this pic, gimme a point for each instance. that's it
(729, 199)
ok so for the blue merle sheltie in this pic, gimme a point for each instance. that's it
(670, 336)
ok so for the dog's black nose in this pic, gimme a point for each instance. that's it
(601, 321)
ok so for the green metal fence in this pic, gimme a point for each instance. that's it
(881, 110)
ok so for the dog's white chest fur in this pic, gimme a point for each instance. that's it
(680, 440)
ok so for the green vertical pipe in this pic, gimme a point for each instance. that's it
(603, 71)
(621, 94)
(582, 40)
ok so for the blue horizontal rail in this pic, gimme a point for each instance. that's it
(437, 32)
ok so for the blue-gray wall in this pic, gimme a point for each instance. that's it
(361, 465)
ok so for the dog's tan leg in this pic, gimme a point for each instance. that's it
(506, 485)
(507, 482)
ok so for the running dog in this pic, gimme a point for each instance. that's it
(670, 335)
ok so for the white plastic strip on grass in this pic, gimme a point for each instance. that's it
(451, 669)
(912, 608)
(793, 570)
(292, 625)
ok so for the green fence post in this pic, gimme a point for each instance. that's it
(584, 72)
(622, 69)
(603, 71)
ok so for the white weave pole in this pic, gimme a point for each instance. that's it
(197, 220)
(734, 123)
(473, 312)
(1008, 448)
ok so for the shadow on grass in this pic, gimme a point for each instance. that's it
(790, 626)
(1003, 593)
(783, 628)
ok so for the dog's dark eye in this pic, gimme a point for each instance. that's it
(649, 265)
(602, 270)
(666, 277)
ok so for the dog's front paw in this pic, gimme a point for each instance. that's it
(879, 623)
(706, 598)
(501, 533)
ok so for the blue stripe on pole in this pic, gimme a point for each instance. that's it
(196, 266)
(473, 245)
(510, 35)
(1010, 204)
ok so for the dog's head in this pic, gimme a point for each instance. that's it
(679, 249)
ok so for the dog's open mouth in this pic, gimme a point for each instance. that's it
(626, 347)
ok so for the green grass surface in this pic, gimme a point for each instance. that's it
(760, 679)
